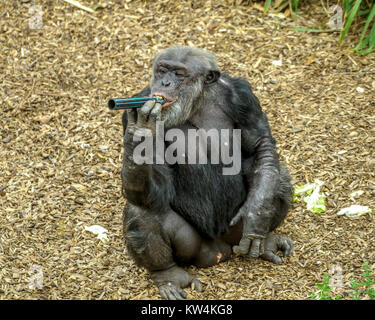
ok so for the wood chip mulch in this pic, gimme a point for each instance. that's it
(61, 149)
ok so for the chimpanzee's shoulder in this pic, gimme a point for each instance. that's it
(238, 83)
(242, 104)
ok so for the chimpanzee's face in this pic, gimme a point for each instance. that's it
(168, 78)
(180, 77)
(180, 85)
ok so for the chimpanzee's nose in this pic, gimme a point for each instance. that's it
(165, 83)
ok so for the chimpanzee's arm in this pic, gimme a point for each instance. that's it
(145, 185)
(262, 177)
(258, 146)
(263, 180)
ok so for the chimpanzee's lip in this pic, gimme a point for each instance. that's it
(167, 100)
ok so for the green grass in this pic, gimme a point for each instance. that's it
(364, 290)
(359, 11)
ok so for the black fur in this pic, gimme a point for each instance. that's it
(200, 193)
(206, 198)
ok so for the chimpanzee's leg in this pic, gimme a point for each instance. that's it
(151, 247)
(160, 241)
(189, 247)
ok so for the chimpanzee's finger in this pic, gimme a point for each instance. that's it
(169, 292)
(165, 293)
(290, 250)
(243, 247)
(255, 248)
(143, 113)
(155, 113)
(196, 285)
(270, 256)
(132, 117)
(236, 218)
(182, 293)
(176, 294)
(162, 293)
(285, 245)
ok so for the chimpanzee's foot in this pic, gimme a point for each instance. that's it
(273, 243)
(171, 282)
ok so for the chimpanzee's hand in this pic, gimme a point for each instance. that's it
(256, 224)
(142, 121)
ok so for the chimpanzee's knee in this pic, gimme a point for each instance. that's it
(189, 247)
(146, 242)
(158, 241)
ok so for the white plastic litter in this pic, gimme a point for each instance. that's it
(356, 194)
(360, 90)
(277, 63)
(99, 231)
(354, 211)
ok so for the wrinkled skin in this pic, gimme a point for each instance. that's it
(185, 214)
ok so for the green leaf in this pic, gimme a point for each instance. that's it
(371, 293)
(348, 4)
(367, 24)
(367, 274)
(267, 5)
(304, 29)
(296, 199)
(308, 188)
(316, 201)
(354, 284)
(363, 13)
(350, 19)
(320, 286)
(295, 5)
(366, 266)
(371, 40)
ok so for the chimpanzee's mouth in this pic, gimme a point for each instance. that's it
(168, 101)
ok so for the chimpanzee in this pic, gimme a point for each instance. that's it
(191, 213)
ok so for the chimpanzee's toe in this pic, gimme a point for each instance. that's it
(170, 291)
(271, 257)
(274, 243)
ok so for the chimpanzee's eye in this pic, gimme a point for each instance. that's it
(162, 70)
(180, 73)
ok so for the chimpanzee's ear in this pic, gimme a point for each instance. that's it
(212, 76)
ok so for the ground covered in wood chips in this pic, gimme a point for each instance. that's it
(61, 149)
